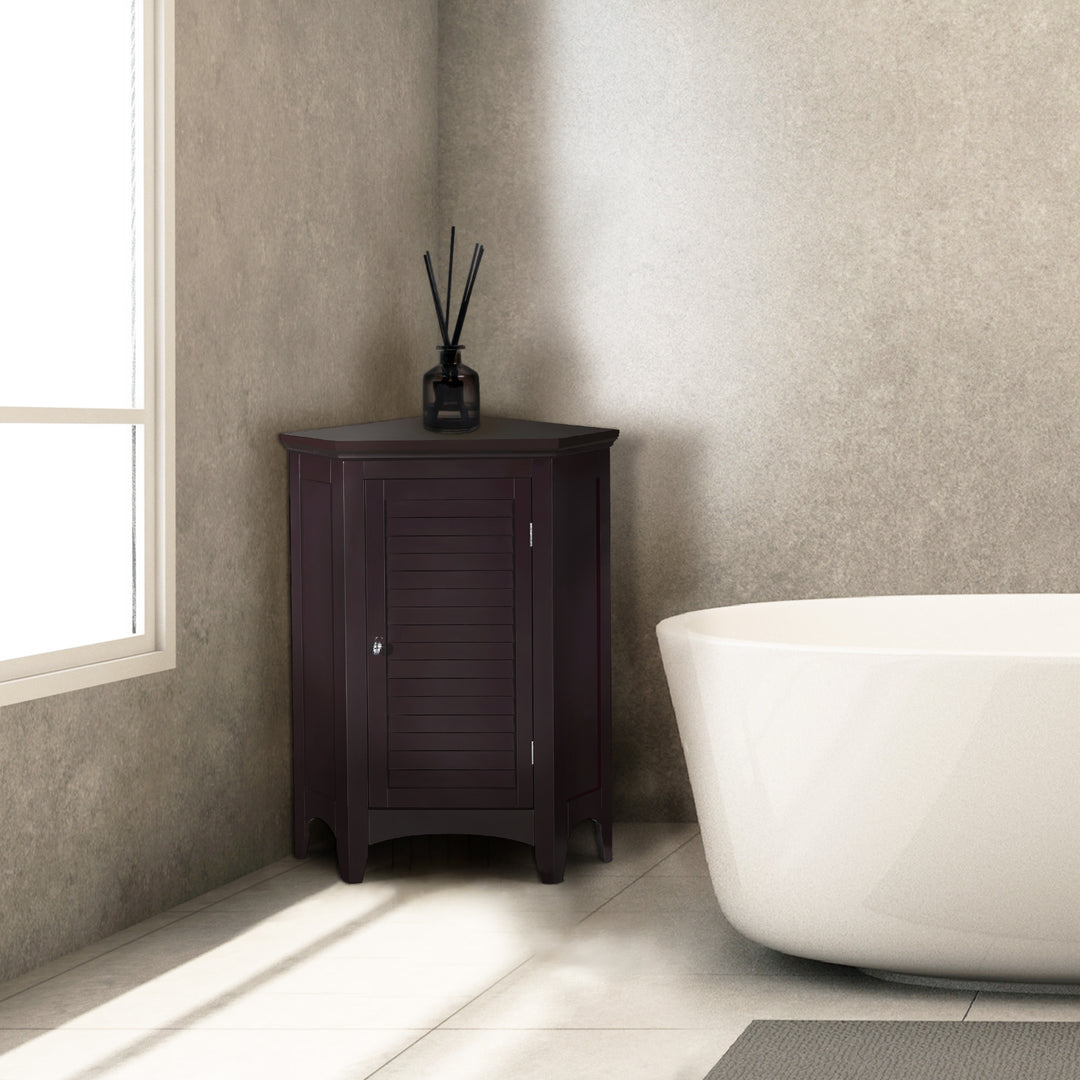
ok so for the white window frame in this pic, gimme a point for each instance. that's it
(155, 649)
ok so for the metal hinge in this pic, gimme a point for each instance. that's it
(530, 534)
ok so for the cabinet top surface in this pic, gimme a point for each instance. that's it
(408, 437)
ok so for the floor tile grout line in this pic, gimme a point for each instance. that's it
(644, 873)
(155, 1035)
(526, 1030)
(450, 1016)
(232, 1027)
(97, 956)
(181, 916)
(441, 1025)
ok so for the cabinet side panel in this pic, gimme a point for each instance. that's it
(582, 711)
(316, 639)
(296, 595)
(353, 646)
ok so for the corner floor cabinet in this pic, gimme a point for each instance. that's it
(451, 634)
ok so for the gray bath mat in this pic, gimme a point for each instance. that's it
(901, 1050)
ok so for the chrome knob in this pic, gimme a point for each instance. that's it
(377, 646)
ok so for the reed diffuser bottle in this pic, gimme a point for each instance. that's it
(451, 390)
(451, 393)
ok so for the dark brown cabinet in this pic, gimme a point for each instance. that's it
(451, 634)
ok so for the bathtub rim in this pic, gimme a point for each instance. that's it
(678, 624)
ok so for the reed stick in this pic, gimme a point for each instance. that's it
(450, 276)
(478, 254)
(435, 296)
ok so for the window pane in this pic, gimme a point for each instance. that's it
(68, 574)
(66, 220)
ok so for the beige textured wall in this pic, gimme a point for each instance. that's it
(306, 172)
(819, 261)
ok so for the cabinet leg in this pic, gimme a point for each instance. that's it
(352, 859)
(300, 836)
(551, 857)
(602, 829)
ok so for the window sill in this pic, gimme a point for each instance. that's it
(86, 675)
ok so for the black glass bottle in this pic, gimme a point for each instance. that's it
(451, 394)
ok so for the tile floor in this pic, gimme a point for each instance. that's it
(450, 961)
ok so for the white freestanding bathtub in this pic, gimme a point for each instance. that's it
(891, 782)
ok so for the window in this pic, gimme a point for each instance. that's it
(86, 344)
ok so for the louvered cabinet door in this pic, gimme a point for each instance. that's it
(449, 617)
